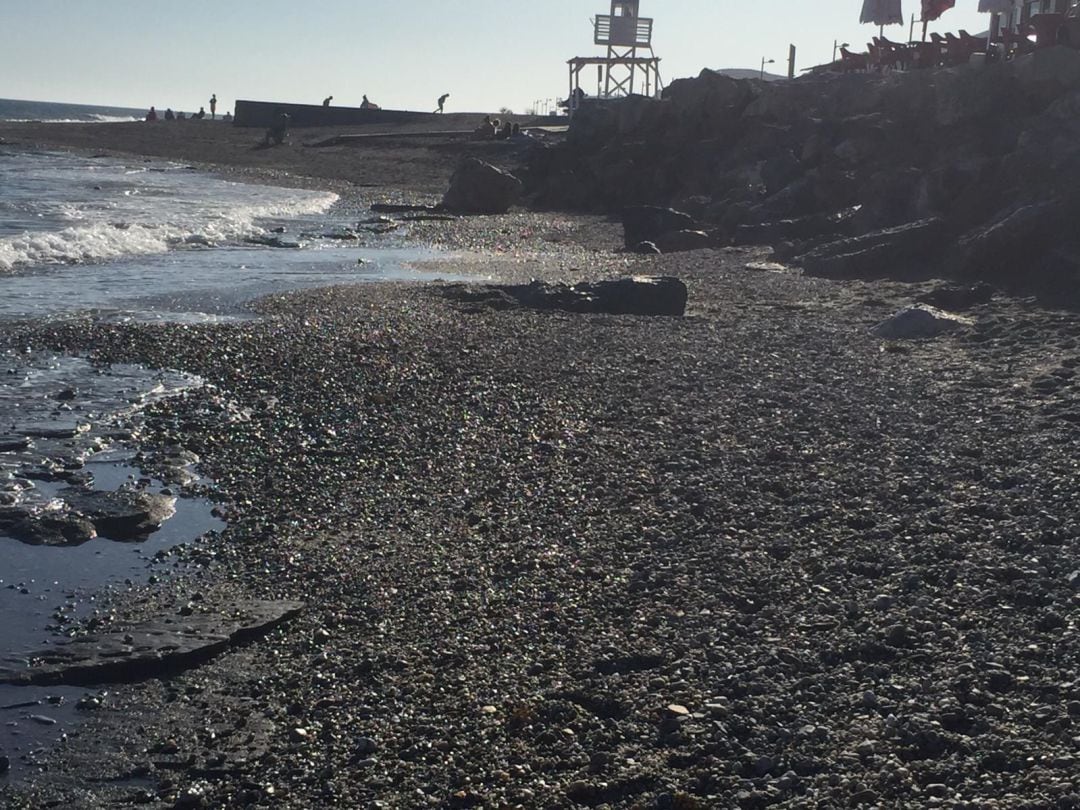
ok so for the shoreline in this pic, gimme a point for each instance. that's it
(555, 560)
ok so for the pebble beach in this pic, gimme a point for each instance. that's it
(752, 557)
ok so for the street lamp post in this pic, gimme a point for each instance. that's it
(765, 62)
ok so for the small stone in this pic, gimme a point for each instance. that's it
(675, 710)
(883, 601)
(937, 790)
(366, 745)
(299, 735)
(42, 720)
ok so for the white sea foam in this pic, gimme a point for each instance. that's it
(114, 214)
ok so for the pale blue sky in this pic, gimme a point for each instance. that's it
(401, 53)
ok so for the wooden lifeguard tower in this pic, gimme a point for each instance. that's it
(625, 70)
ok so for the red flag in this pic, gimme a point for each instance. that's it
(932, 9)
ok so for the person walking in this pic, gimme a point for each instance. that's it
(442, 101)
(213, 107)
(326, 101)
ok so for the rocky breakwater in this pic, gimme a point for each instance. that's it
(972, 172)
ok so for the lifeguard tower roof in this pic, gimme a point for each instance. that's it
(624, 71)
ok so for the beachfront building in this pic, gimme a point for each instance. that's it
(1023, 10)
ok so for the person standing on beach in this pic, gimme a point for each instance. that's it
(152, 115)
(213, 107)
(442, 101)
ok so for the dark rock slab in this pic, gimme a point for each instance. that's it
(125, 515)
(636, 295)
(807, 227)
(876, 254)
(480, 188)
(63, 430)
(151, 650)
(650, 223)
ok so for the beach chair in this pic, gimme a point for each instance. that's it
(1046, 28)
(851, 62)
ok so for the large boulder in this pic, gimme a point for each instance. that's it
(876, 254)
(480, 188)
(1007, 245)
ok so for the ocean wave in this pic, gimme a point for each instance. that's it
(96, 241)
(90, 119)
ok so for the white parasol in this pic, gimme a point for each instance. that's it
(882, 12)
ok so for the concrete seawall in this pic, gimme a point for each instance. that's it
(265, 114)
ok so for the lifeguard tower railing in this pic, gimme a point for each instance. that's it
(623, 32)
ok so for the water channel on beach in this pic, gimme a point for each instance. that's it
(83, 237)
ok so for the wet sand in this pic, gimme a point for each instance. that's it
(751, 557)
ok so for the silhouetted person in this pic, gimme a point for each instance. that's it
(213, 107)
(368, 105)
(152, 115)
(505, 131)
(279, 131)
(326, 101)
(201, 114)
(442, 101)
(227, 117)
(169, 114)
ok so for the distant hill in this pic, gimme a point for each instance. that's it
(750, 73)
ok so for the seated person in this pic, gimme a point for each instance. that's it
(486, 130)
(368, 105)
(200, 114)
(152, 115)
(169, 114)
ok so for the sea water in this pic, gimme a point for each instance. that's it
(126, 239)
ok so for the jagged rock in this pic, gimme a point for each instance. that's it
(918, 322)
(650, 223)
(150, 650)
(124, 515)
(875, 254)
(480, 188)
(46, 528)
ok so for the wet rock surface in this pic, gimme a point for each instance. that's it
(754, 556)
(152, 649)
